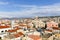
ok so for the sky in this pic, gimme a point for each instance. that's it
(29, 8)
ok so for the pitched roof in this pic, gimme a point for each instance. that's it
(11, 31)
(35, 37)
(2, 27)
(18, 34)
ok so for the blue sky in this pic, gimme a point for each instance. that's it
(29, 8)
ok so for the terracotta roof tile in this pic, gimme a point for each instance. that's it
(34, 37)
(11, 31)
(1, 27)
(18, 34)
(49, 30)
(56, 28)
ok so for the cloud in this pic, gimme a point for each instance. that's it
(5, 15)
(4, 3)
(48, 10)
(33, 10)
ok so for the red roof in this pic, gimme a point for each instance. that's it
(18, 34)
(23, 24)
(11, 31)
(35, 37)
(49, 30)
(17, 28)
(56, 28)
(1, 27)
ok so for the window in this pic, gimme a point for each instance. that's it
(2, 31)
(0, 38)
(56, 25)
(5, 30)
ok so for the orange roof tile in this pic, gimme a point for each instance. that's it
(11, 31)
(28, 26)
(49, 30)
(18, 34)
(16, 28)
(23, 25)
(34, 37)
(2, 27)
(56, 28)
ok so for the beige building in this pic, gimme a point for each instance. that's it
(38, 23)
